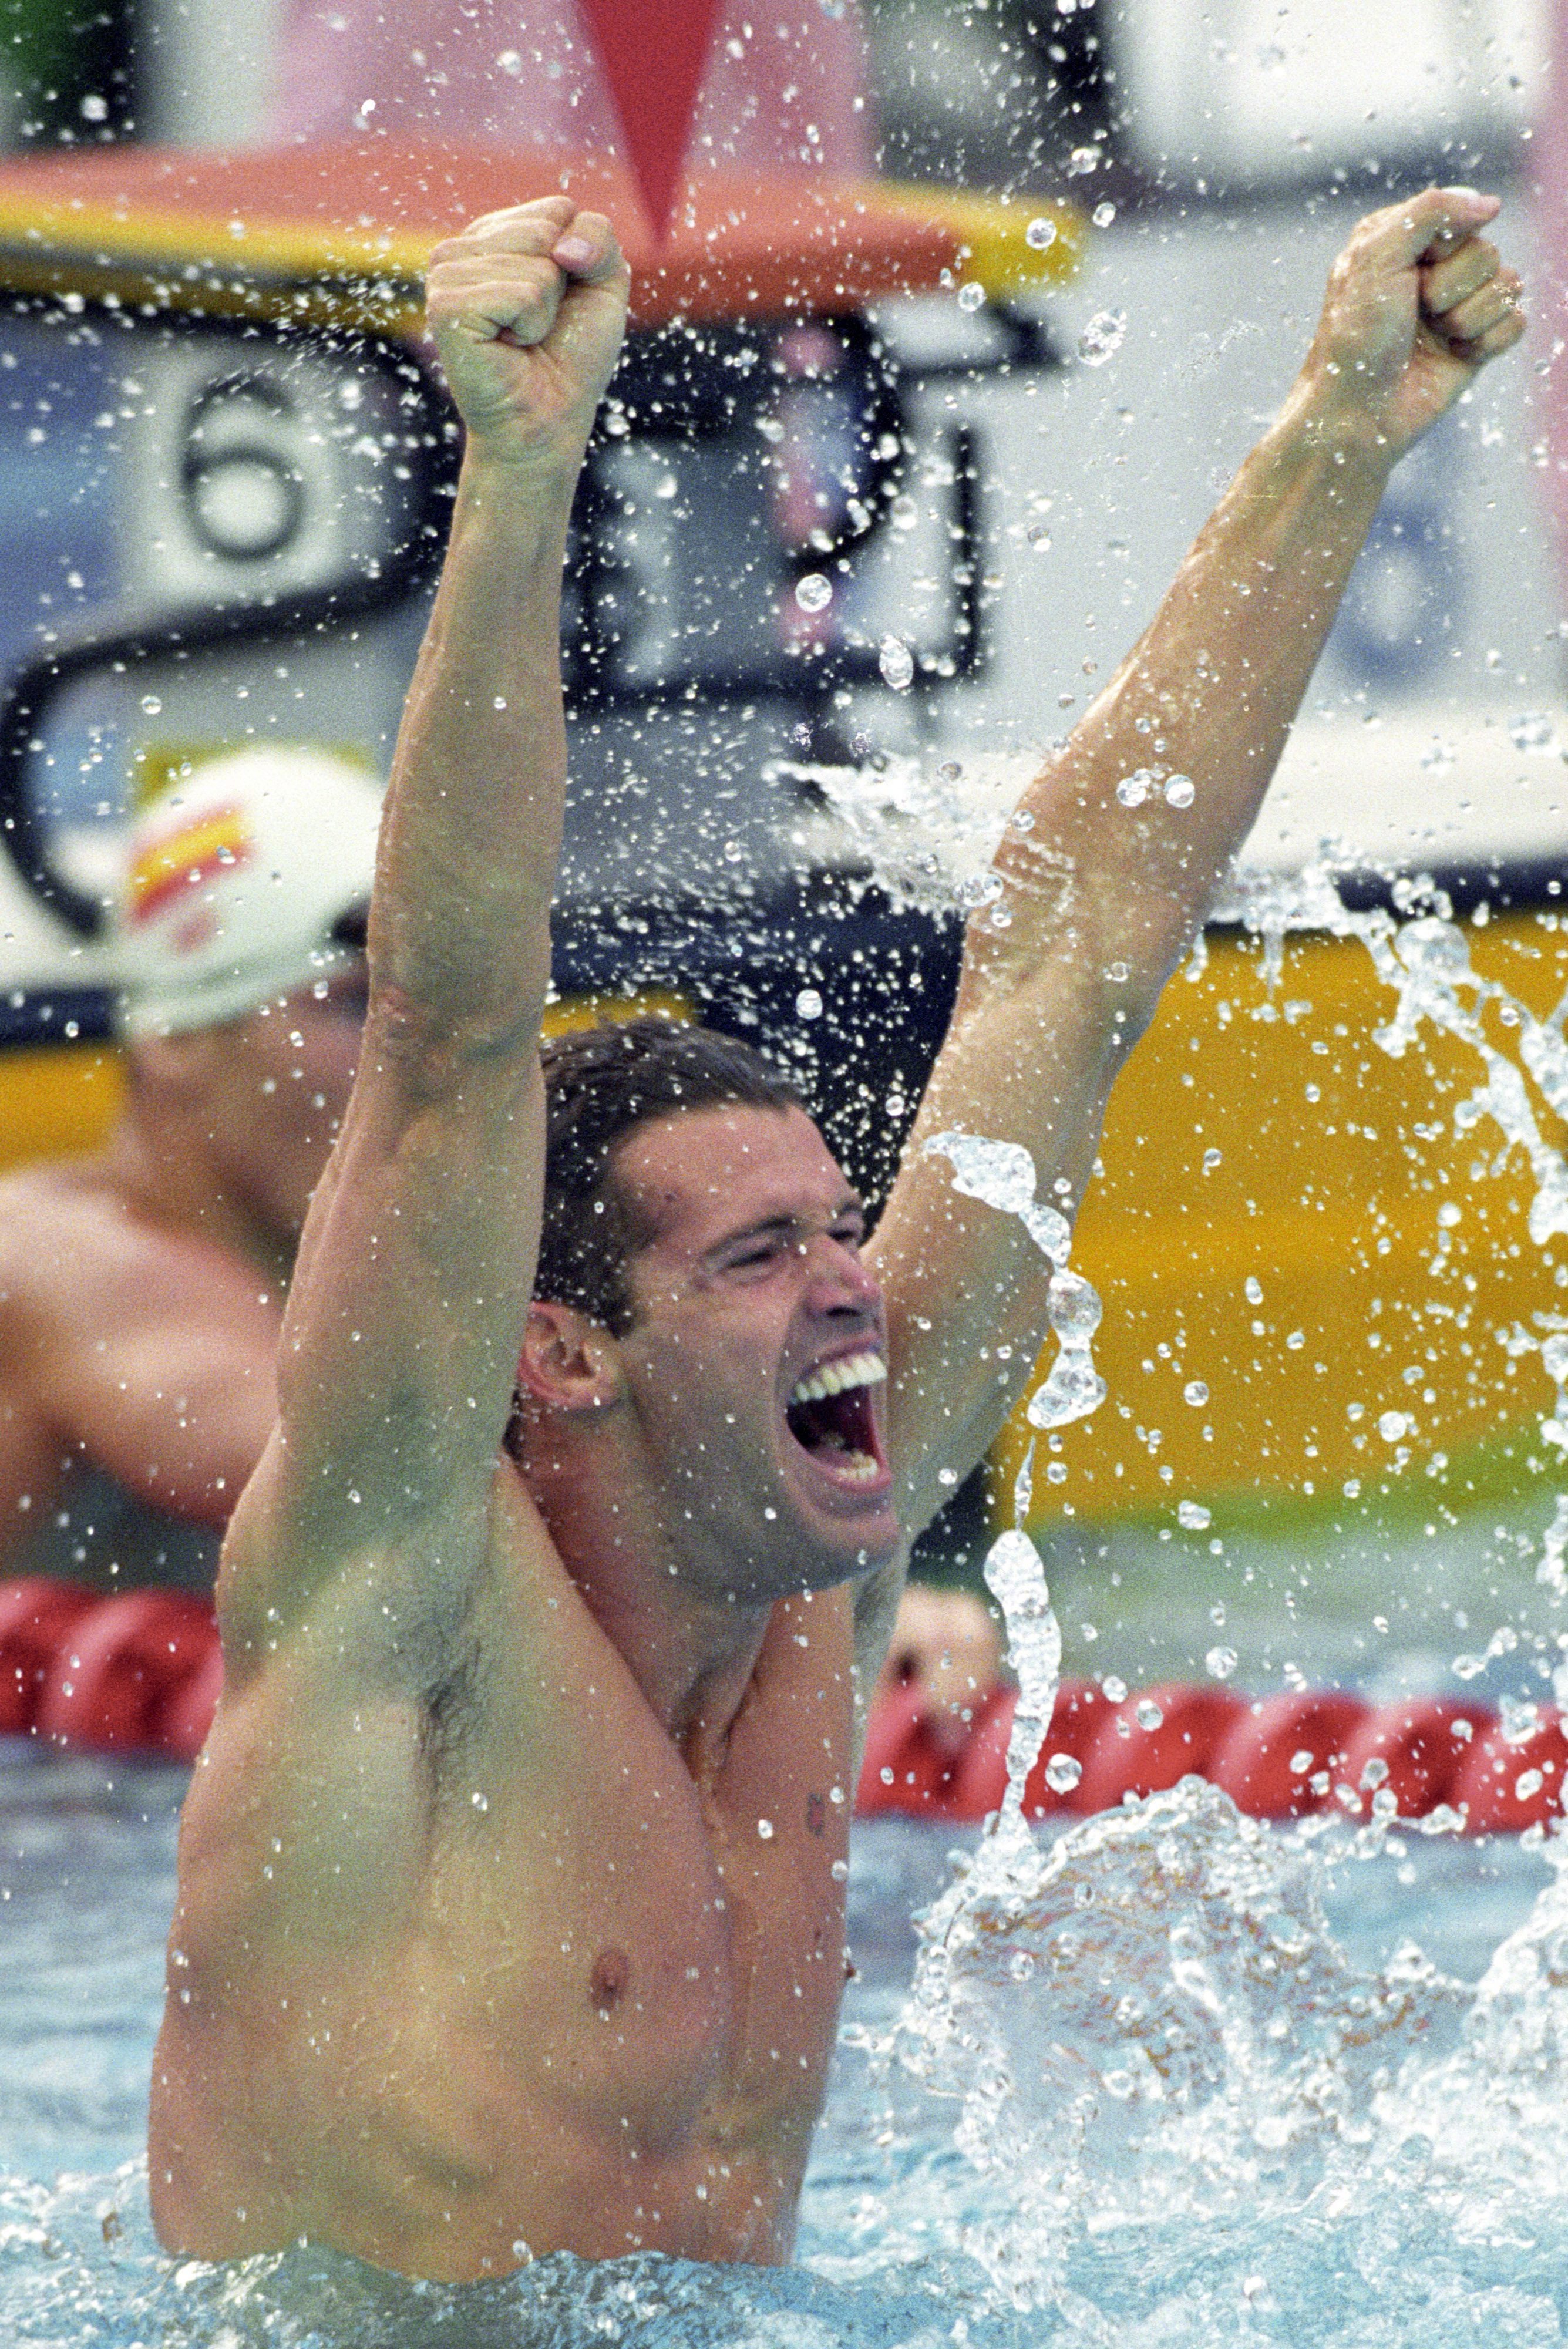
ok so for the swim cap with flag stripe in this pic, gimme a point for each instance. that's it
(243, 881)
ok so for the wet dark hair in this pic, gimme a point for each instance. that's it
(600, 1084)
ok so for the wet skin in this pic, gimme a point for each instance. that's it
(435, 1992)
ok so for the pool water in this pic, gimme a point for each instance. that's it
(1167, 2078)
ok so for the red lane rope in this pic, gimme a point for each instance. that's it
(1277, 1757)
(141, 1674)
(137, 1673)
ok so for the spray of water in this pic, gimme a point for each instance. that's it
(1146, 2024)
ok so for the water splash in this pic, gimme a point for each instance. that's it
(1425, 961)
(925, 829)
(1001, 1175)
(1164, 2065)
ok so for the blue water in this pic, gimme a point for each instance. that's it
(1185, 2081)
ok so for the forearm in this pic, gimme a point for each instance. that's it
(473, 831)
(1207, 694)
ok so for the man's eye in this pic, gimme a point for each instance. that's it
(754, 1258)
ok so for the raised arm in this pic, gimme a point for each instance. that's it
(400, 1340)
(1110, 863)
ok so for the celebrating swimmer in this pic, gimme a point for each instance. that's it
(511, 1912)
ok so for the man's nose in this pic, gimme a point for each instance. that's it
(839, 1282)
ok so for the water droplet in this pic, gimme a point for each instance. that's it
(1039, 537)
(1062, 1773)
(1133, 789)
(1148, 1714)
(1211, 1158)
(839, 1871)
(1082, 161)
(1193, 1515)
(813, 593)
(1195, 1393)
(1115, 1687)
(1302, 1761)
(1437, 757)
(1103, 337)
(1180, 791)
(1392, 1426)
(1220, 1662)
(971, 296)
(481, 1802)
(1528, 1783)
(1103, 215)
(809, 1004)
(151, 704)
(1252, 1290)
(1533, 729)
(897, 663)
(1072, 1306)
(1040, 235)
(765, 1830)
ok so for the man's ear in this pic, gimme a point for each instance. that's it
(568, 1362)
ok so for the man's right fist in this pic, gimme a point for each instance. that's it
(526, 308)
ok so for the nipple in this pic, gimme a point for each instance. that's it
(608, 1978)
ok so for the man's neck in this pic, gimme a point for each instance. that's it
(692, 1655)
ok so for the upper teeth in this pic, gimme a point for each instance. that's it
(832, 1378)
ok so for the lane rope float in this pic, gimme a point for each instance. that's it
(141, 1674)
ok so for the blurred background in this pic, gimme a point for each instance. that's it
(1330, 1317)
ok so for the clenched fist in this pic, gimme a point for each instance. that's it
(526, 308)
(1416, 303)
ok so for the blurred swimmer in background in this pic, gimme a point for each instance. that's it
(511, 1910)
(141, 1289)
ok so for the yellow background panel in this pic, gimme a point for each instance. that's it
(57, 1101)
(1328, 1163)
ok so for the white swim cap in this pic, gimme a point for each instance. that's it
(238, 876)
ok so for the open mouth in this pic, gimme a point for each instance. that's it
(829, 1415)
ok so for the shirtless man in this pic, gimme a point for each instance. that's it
(142, 1287)
(511, 1905)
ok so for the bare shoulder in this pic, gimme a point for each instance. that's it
(56, 1234)
(72, 1244)
(454, 1616)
